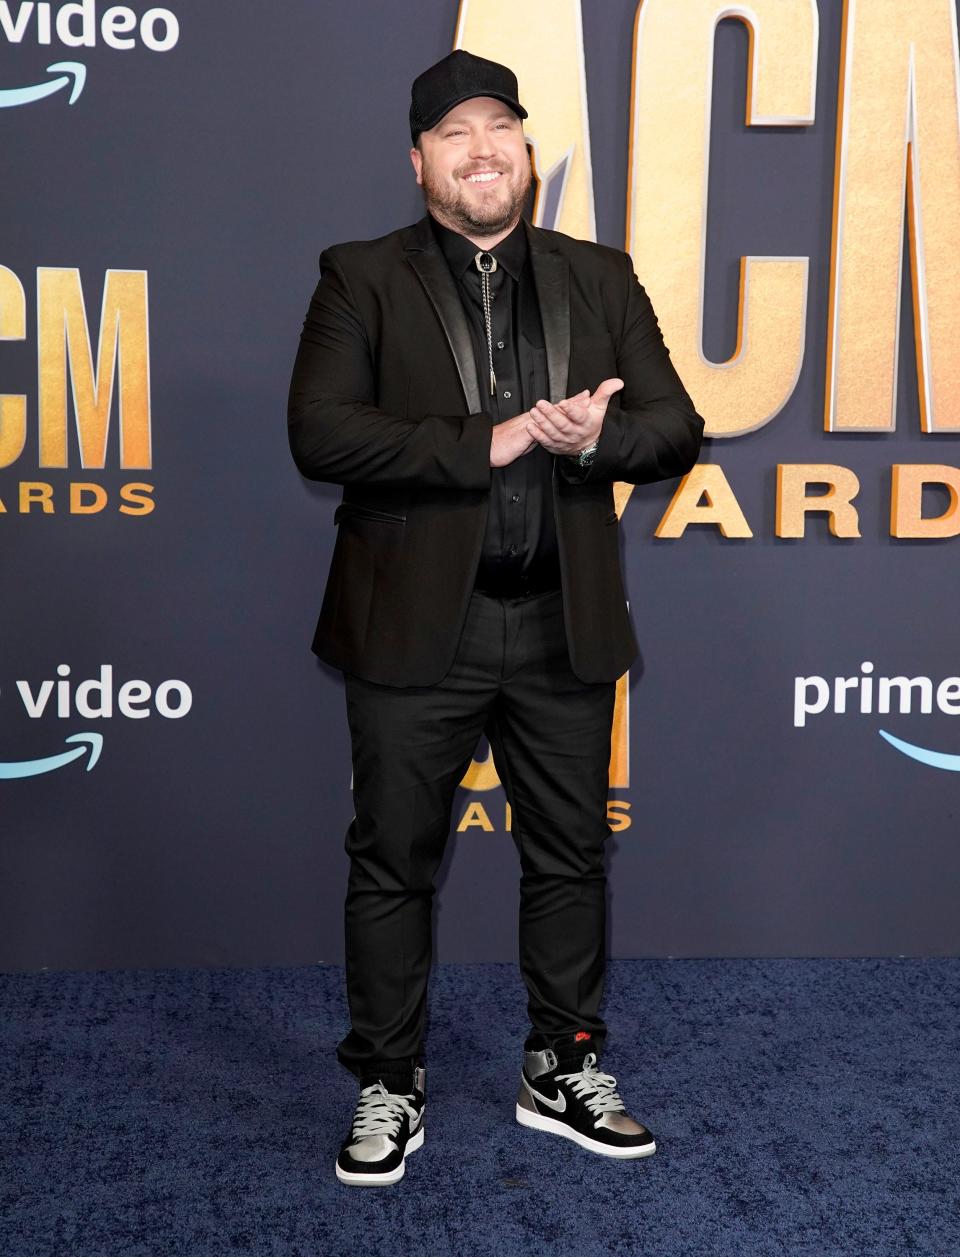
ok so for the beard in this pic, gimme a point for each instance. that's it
(485, 217)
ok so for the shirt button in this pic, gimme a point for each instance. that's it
(512, 550)
(515, 498)
(507, 393)
(499, 344)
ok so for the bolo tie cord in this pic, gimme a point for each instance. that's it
(486, 264)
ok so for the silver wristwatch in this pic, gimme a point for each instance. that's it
(586, 456)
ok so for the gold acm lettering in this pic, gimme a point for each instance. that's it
(704, 496)
(897, 133)
(137, 499)
(667, 198)
(794, 503)
(475, 817)
(36, 493)
(906, 501)
(481, 775)
(87, 499)
(64, 349)
(13, 407)
(618, 815)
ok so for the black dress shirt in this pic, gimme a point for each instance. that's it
(520, 544)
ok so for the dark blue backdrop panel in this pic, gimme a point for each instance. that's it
(221, 167)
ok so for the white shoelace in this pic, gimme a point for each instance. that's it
(603, 1086)
(380, 1112)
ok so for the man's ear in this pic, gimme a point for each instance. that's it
(417, 158)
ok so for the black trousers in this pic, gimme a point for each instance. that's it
(550, 737)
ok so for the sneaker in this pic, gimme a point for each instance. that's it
(386, 1127)
(580, 1104)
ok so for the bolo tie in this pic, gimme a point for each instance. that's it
(486, 264)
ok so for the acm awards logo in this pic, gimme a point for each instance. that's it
(82, 378)
(896, 173)
(71, 379)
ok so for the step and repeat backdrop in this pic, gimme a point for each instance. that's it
(174, 763)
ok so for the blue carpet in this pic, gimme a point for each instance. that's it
(800, 1107)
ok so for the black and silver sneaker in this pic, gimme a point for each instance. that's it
(386, 1128)
(580, 1104)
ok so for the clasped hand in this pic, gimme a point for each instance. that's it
(564, 428)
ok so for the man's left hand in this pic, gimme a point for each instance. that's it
(574, 423)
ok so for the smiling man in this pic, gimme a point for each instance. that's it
(477, 385)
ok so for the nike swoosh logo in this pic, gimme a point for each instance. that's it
(559, 1104)
(415, 1126)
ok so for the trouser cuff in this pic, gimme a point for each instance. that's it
(396, 1076)
(569, 1049)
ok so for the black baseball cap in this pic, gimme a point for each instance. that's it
(458, 77)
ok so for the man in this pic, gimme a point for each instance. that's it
(475, 587)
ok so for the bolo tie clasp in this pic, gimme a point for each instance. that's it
(486, 264)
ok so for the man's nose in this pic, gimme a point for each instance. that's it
(481, 145)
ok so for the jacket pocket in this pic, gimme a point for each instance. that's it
(353, 510)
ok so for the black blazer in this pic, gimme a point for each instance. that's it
(384, 400)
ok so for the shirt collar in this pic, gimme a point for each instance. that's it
(511, 252)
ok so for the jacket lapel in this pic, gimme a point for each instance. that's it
(551, 274)
(424, 255)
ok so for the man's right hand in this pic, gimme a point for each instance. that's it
(510, 440)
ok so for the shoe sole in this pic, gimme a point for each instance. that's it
(382, 1180)
(536, 1121)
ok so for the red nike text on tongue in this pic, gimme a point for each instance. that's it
(580, 1035)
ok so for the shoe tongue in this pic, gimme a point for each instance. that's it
(576, 1046)
(380, 1087)
(575, 1050)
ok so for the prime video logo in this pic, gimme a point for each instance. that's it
(78, 26)
(97, 698)
(869, 695)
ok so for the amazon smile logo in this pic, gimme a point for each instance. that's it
(72, 72)
(78, 25)
(867, 694)
(92, 742)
